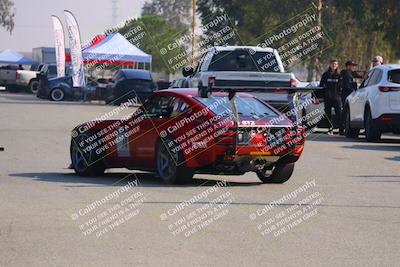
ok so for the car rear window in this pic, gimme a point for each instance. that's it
(140, 85)
(246, 106)
(394, 76)
(244, 60)
(52, 70)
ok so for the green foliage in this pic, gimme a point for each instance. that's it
(155, 32)
(359, 29)
(176, 12)
(7, 14)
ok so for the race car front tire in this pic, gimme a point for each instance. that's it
(85, 163)
(280, 173)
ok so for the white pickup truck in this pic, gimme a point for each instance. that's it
(14, 78)
(244, 66)
(8, 76)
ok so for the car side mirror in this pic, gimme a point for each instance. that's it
(187, 71)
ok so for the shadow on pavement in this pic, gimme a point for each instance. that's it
(26, 98)
(118, 179)
(376, 176)
(375, 147)
(322, 137)
(395, 178)
(394, 158)
(339, 138)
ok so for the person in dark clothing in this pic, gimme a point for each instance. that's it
(330, 83)
(347, 79)
(347, 84)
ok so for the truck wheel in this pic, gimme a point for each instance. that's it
(85, 163)
(33, 86)
(372, 132)
(280, 174)
(349, 132)
(57, 94)
(170, 165)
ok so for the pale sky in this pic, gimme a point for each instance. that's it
(33, 26)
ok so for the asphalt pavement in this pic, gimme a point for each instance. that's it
(340, 208)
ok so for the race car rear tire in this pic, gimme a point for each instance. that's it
(280, 174)
(348, 130)
(85, 163)
(372, 132)
(170, 165)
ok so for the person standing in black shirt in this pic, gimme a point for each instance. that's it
(332, 97)
(347, 84)
(347, 79)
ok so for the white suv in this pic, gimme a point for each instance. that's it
(375, 105)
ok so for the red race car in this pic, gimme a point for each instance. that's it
(180, 132)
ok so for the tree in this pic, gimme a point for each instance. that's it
(358, 29)
(176, 12)
(7, 14)
(155, 34)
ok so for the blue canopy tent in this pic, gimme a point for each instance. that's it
(12, 57)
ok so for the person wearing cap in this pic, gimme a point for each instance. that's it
(332, 97)
(376, 61)
(346, 82)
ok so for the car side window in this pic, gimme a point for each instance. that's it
(160, 108)
(366, 82)
(378, 76)
(374, 78)
(178, 107)
(198, 67)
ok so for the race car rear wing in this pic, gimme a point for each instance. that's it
(206, 92)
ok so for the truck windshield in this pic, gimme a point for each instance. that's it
(244, 60)
(247, 106)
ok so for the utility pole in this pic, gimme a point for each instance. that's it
(193, 35)
(114, 12)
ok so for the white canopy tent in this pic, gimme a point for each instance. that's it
(115, 48)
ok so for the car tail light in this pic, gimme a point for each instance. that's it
(384, 119)
(17, 75)
(298, 150)
(385, 89)
(258, 139)
(288, 136)
(293, 83)
(211, 82)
